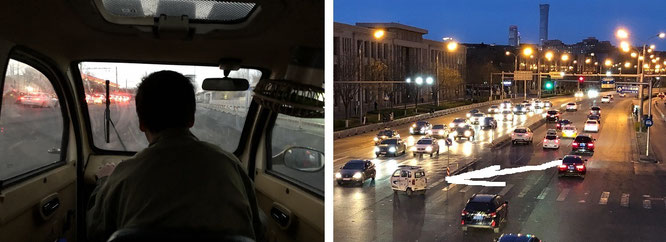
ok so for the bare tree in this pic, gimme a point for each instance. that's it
(345, 92)
(449, 79)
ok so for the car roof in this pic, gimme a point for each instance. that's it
(356, 161)
(484, 198)
(408, 167)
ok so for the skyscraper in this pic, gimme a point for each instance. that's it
(543, 22)
(514, 36)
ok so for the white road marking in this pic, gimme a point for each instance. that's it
(543, 193)
(525, 190)
(604, 198)
(466, 188)
(505, 189)
(563, 194)
(584, 198)
(449, 187)
(624, 201)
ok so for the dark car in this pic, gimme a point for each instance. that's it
(552, 115)
(583, 143)
(563, 122)
(484, 211)
(356, 172)
(517, 238)
(420, 127)
(390, 147)
(465, 131)
(385, 134)
(572, 165)
(595, 111)
(520, 109)
(488, 123)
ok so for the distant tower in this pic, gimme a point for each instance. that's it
(514, 37)
(543, 23)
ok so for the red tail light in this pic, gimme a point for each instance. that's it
(492, 224)
(563, 167)
(544, 140)
(463, 213)
(580, 167)
(22, 98)
(574, 144)
(492, 215)
(462, 222)
(37, 99)
(590, 145)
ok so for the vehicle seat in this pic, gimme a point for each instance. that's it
(140, 234)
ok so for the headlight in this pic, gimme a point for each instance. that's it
(392, 149)
(411, 129)
(376, 139)
(461, 125)
(489, 110)
(429, 148)
(469, 115)
(454, 133)
(376, 149)
(357, 175)
(515, 109)
(441, 132)
(413, 125)
(422, 129)
(451, 125)
(413, 148)
(468, 133)
(338, 175)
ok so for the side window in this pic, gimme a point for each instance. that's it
(31, 122)
(297, 147)
(404, 174)
(417, 175)
(396, 173)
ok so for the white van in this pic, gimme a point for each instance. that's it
(409, 179)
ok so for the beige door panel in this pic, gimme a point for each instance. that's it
(96, 162)
(304, 211)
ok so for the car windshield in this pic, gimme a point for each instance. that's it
(565, 121)
(477, 115)
(477, 206)
(459, 120)
(421, 123)
(389, 142)
(424, 142)
(353, 165)
(219, 116)
(438, 126)
(570, 104)
(596, 108)
(583, 139)
(385, 133)
(462, 129)
(551, 137)
(591, 122)
(572, 160)
(553, 112)
(569, 128)
(520, 131)
(488, 119)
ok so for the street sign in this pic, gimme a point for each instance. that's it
(648, 122)
(522, 75)
(556, 75)
(506, 83)
(448, 142)
(627, 89)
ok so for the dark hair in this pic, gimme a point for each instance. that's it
(165, 99)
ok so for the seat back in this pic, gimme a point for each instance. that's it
(167, 235)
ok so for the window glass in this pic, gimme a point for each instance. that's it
(353, 166)
(396, 173)
(31, 122)
(301, 135)
(417, 175)
(404, 174)
(219, 117)
(389, 142)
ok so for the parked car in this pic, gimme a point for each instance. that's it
(390, 147)
(522, 135)
(484, 211)
(409, 179)
(426, 145)
(572, 165)
(356, 172)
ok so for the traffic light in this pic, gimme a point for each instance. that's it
(549, 85)
(581, 79)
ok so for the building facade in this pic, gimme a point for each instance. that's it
(382, 64)
(543, 22)
(514, 36)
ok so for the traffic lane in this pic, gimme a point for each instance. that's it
(345, 145)
(657, 139)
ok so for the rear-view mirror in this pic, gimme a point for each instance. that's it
(304, 159)
(225, 84)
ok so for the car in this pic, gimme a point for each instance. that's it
(517, 238)
(522, 135)
(409, 179)
(488, 123)
(583, 143)
(98, 98)
(591, 126)
(464, 132)
(385, 134)
(661, 95)
(594, 117)
(473, 111)
(579, 94)
(595, 110)
(562, 122)
(537, 103)
(547, 104)
(458, 122)
(605, 99)
(551, 141)
(507, 115)
(42, 100)
(622, 94)
(484, 211)
(476, 118)
(494, 109)
(439, 131)
(520, 109)
(420, 127)
(572, 165)
(529, 107)
(572, 107)
(552, 115)
(569, 131)
(356, 172)
(390, 147)
(426, 145)
(551, 132)
(524, 102)
(506, 105)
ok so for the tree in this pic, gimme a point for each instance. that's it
(449, 79)
(346, 92)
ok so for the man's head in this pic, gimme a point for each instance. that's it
(165, 99)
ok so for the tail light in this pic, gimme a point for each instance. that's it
(22, 98)
(580, 167)
(590, 145)
(463, 213)
(492, 215)
(492, 224)
(557, 141)
(462, 222)
(574, 144)
(37, 99)
(563, 167)
(544, 140)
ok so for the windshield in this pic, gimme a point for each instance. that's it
(219, 116)
(438, 126)
(421, 123)
(572, 160)
(385, 133)
(552, 112)
(477, 206)
(459, 120)
(583, 139)
(389, 142)
(520, 131)
(353, 165)
(591, 122)
(551, 137)
(424, 142)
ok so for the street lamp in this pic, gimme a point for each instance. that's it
(418, 81)
(379, 33)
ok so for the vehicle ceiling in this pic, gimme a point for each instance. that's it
(73, 30)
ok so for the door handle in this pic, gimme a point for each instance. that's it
(49, 205)
(281, 215)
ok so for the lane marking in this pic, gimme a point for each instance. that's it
(466, 188)
(563, 194)
(624, 201)
(604, 198)
(506, 189)
(525, 190)
(449, 187)
(543, 193)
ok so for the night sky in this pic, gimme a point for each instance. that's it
(488, 20)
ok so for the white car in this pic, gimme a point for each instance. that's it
(551, 132)
(458, 122)
(538, 103)
(38, 100)
(494, 109)
(409, 179)
(605, 99)
(476, 118)
(591, 126)
(426, 146)
(506, 105)
(572, 107)
(622, 94)
(439, 131)
(551, 141)
(522, 135)
(507, 115)
(547, 104)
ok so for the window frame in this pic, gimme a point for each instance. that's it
(37, 62)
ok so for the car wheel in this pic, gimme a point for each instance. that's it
(414, 154)
(377, 155)
(339, 183)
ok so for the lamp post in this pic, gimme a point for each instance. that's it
(451, 46)
(515, 68)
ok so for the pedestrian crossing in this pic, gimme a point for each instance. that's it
(563, 195)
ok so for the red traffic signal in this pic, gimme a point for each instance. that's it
(581, 79)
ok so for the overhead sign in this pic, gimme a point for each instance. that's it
(627, 89)
(522, 75)
(556, 75)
